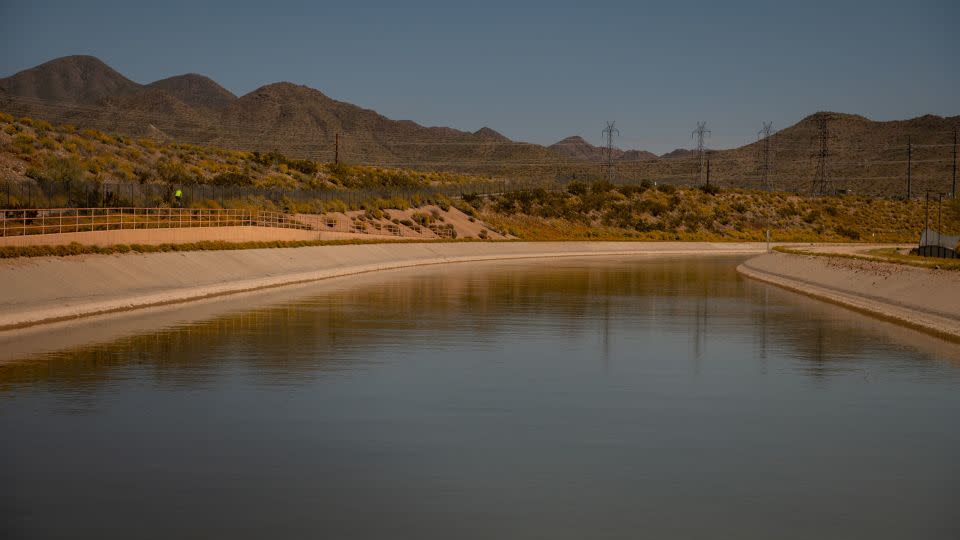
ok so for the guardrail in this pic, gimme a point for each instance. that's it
(69, 220)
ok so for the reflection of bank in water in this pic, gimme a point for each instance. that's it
(700, 302)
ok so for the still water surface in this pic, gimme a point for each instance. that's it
(630, 398)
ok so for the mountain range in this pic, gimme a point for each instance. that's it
(303, 122)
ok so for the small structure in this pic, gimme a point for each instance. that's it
(934, 244)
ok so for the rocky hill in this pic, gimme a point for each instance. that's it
(294, 119)
(196, 91)
(578, 148)
(864, 155)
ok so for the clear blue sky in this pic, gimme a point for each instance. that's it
(534, 71)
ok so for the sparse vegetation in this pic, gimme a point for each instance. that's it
(583, 210)
(605, 211)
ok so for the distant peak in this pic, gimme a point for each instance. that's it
(574, 139)
(196, 90)
(491, 134)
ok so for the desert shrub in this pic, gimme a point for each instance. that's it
(57, 169)
(465, 207)
(173, 172)
(653, 207)
(442, 201)
(847, 232)
(667, 188)
(305, 166)
(710, 189)
(618, 216)
(472, 199)
(48, 143)
(811, 216)
(577, 188)
(4, 117)
(631, 190)
(81, 143)
(422, 218)
(42, 125)
(601, 186)
(336, 205)
(23, 143)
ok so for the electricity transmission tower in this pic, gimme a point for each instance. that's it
(822, 180)
(608, 132)
(698, 135)
(764, 135)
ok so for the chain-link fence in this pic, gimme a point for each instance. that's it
(86, 194)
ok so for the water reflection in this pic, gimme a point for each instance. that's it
(694, 301)
(561, 399)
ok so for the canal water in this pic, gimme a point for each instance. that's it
(565, 398)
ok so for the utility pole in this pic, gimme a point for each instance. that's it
(909, 167)
(939, 222)
(708, 169)
(336, 149)
(698, 135)
(764, 134)
(953, 190)
(608, 133)
(821, 181)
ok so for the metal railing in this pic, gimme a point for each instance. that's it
(71, 220)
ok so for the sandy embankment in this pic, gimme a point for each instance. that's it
(921, 298)
(48, 289)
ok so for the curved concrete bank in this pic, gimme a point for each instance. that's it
(173, 235)
(47, 289)
(924, 299)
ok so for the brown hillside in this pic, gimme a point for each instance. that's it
(577, 147)
(865, 156)
(71, 79)
(196, 91)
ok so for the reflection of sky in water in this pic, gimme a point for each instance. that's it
(564, 398)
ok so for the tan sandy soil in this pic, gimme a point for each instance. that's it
(923, 298)
(354, 224)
